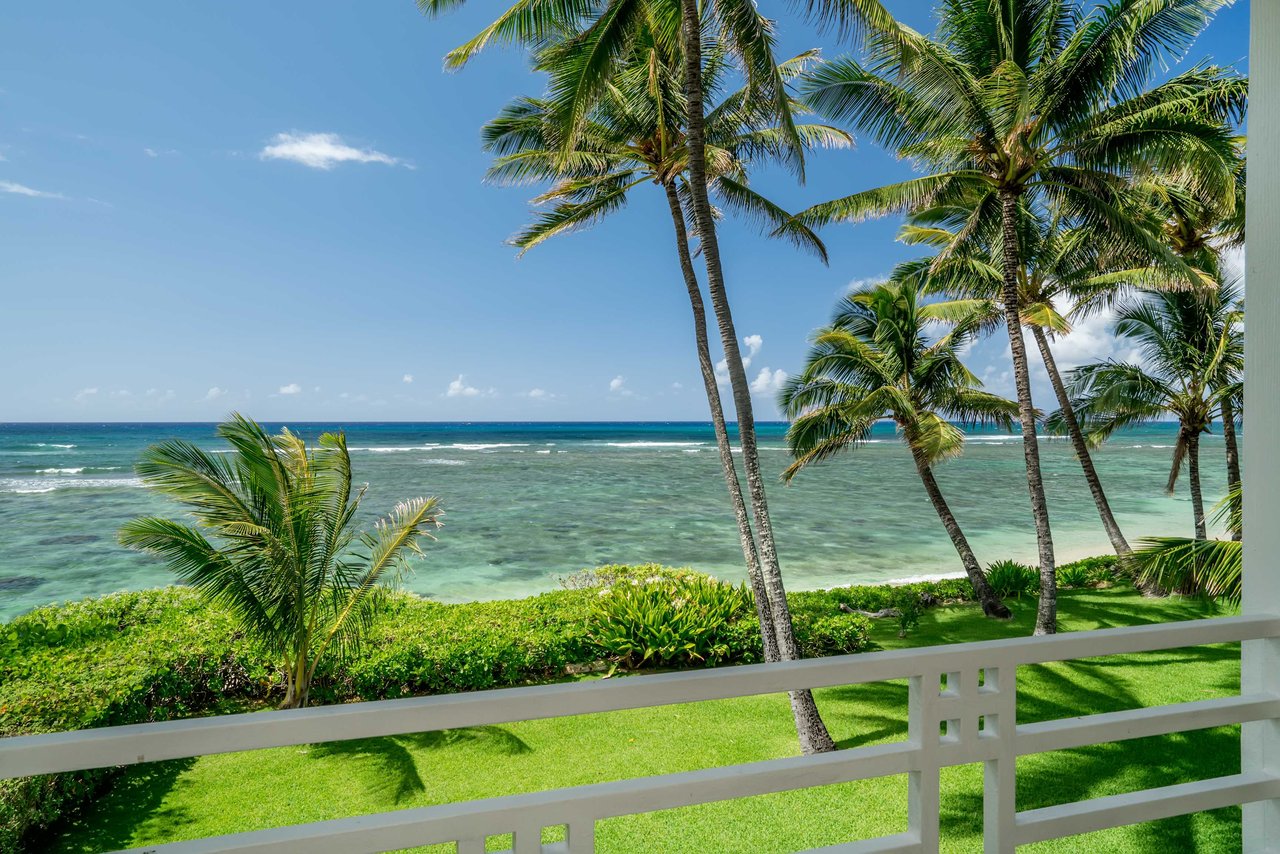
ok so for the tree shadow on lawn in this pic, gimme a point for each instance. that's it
(391, 758)
(128, 801)
(1066, 689)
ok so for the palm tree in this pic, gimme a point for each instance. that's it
(635, 135)
(1187, 341)
(1200, 227)
(1064, 267)
(287, 556)
(876, 361)
(603, 30)
(1037, 105)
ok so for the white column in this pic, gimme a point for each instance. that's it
(1260, 668)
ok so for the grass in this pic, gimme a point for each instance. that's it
(213, 795)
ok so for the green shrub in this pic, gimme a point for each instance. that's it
(1074, 575)
(668, 621)
(835, 635)
(1103, 569)
(1012, 580)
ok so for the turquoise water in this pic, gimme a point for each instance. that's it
(527, 504)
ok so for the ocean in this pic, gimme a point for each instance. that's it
(529, 503)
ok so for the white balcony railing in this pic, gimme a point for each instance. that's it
(962, 709)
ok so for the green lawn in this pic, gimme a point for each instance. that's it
(223, 794)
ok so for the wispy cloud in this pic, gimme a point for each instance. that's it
(291, 388)
(159, 152)
(321, 151)
(215, 393)
(407, 379)
(24, 190)
(538, 394)
(86, 393)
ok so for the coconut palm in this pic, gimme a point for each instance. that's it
(286, 555)
(876, 360)
(1065, 268)
(1037, 105)
(1200, 228)
(1187, 340)
(602, 30)
(636, 135)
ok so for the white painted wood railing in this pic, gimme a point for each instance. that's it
(962, 709)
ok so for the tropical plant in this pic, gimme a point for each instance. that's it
(1211, 568)
(600, 32)
(664, 622)
(1065, 268)
(1187, 341)
(1037, 105)
(876, 360)
(1074, 575)
(1013, 580)
(1200, 227)
(635, 135)
(286, 554)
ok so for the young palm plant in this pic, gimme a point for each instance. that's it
(1187, 340)
(634, 136)
(1209, 567)
(286, 554)
(1034, 104)
(876, 360)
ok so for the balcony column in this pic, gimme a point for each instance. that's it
(1260, 666)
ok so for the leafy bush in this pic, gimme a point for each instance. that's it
(668, 621)
(834, 635)
(1074, 575)
(1103, 569)
(1010, 579)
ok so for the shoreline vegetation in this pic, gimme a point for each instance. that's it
(170, 653)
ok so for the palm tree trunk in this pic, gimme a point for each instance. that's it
(991, 604)
(1047, 613)
(767, 635)
(1233, 451)
(813, 734)
(1081, 448)
(1193, 475)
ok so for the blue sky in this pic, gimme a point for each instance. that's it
(280, 208)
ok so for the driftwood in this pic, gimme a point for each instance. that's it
(875, 615)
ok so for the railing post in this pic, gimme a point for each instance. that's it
(1260, 659)
(924, 799)
(1000, 775)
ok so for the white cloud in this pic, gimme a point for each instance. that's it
(291, 388)
(407, 379)
(23, 190)
(321, 151)
(617, 384)
(539, 394)
(86, 393)
(458, 388)
(158, 152)
(677, 386)
(213, 393)
(768, 382)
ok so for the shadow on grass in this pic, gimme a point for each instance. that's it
(390, 760)
(131, 799)
(1066, 689)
